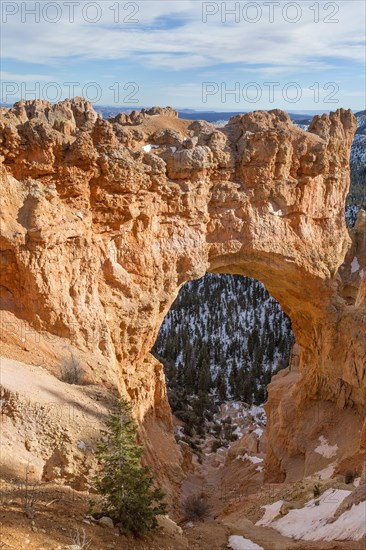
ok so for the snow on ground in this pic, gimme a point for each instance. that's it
(327, 472)
(81, 445)
(325, 449)
(351, 525)
(351, 214)
(258, 413)
(358, 151)
(313, 522)
(237, 542)
(271, 511)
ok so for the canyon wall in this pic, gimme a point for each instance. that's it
(104, 221)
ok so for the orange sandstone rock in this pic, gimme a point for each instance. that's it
(104, 220)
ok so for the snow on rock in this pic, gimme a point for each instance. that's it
(180, 431)
(355, 266)
(258, 431)
(252, 459)
(324, 449)
(313, 522)
(237, 542)
(258, 413)
(147, 148)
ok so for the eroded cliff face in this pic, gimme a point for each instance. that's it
(103, 221)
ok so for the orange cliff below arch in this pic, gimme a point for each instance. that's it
(104, 220)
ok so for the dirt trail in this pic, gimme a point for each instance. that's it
(231, 508)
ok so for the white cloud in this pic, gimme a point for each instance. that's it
(194, 44)
(19, 77)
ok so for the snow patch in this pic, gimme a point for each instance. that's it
(147, 148)
(312, 522)
(271, 511)
(355, 266)
(81, 445)
(327, 472)
(237, 542)
(324, 449)
(180, 431)
(252, 459)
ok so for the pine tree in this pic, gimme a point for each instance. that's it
(127, 488)
(204, 381)
(233, 381)
(221, 386)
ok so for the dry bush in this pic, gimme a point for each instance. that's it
(71, 370)
(196, 507)
(80, 541)
(30, 495)
(350, 476)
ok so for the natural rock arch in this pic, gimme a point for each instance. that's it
(100, 230)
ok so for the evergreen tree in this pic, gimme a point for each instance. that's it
(204, 377)
(233, 381)
(127, 488)
(221, 386)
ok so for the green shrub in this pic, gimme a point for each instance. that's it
(316, 490)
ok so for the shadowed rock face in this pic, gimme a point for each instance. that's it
(100, 230)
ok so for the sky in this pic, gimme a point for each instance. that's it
(298, 56)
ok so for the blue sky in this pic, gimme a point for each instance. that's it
(222, 56)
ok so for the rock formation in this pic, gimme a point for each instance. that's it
(104, 221)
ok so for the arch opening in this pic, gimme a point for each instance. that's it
(221, 342)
